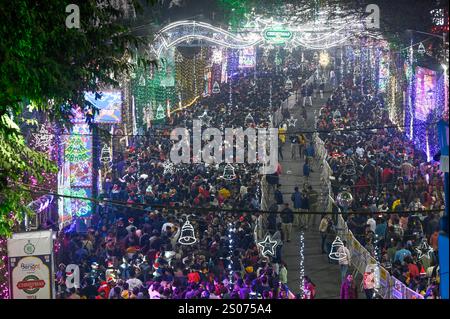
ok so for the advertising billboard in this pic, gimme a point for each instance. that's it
(30, 262)
(109, 104)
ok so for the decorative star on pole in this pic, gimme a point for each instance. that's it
(268, 246)
(292, 121)
(424, 250)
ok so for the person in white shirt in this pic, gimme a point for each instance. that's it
(153, 292)
(344, 260)
(360, 151)
(372, 223)
(134, 282)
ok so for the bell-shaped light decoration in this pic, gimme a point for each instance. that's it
(335, 254)
(160, 113)
(105, 157)
(288, 85)
(249, 119)
(421, 48)
(187, 236)
(216, 88)
(228, 172)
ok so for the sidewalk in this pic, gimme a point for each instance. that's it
(325, 276)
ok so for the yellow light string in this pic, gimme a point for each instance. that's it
(187, 105)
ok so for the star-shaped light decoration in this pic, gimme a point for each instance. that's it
(205, 118)
(43, 139)
(292, 121)
(424, 250)
(268, 246)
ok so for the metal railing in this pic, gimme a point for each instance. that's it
(386, 286)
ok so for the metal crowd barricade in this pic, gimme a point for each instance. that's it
(387, 286)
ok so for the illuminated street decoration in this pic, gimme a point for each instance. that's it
(216, 88)
(160, 113)
(78, 207)
(277, 35)
(106, 156)
(187, 236)
(217, 56)
(268, 246)
(424, 250)
(292, 121)
(421, 49)
(43, 139)
(288, 85)
(78, 153)
(335, 254)
(205, 119)
(75, 176)
(321, 35)
(384, 72)
(169, 167)
(228, 173)
(324, 59)
(247, 58)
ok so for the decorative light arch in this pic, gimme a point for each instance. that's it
(320, 35)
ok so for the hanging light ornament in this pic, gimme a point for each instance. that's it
(288, 85)
(335, 254)
(105, 156)
(142, 80)
(324, 58)
(268, 246)
(148, 114)
(179, 58)
(169, 167)
(43, 139)
(421, 49)
(160, 113)
(217, 56)
(249, 119)
(187, 236)
(205, 119)
(424, 250)
(216, 88)
(228, 173)
(344, 199)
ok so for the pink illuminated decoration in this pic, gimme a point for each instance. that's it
(425, 93)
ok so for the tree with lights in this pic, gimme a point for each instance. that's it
(47, 67)
(76, 151)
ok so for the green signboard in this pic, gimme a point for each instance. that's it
(277, 35)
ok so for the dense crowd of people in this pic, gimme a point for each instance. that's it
(398, 197)
(134, 251)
